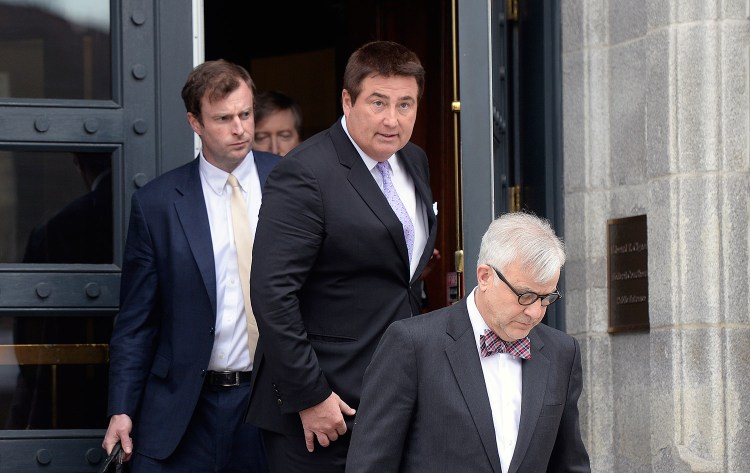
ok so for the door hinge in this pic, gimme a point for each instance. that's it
(515, 198)
(511, 12)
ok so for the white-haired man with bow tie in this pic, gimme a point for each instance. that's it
(481, 385)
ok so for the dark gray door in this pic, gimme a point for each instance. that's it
(511, 119)
(90, 110)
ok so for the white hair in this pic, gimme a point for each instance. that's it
(523, 238)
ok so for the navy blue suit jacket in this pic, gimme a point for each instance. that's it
(164, 333)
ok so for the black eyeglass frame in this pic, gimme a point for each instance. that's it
(542, 297)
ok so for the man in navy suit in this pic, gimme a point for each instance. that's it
(479, 386)
(180, 362)
(334, 263)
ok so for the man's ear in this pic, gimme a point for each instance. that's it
(346, 102)
(195, 124)
(484, 276)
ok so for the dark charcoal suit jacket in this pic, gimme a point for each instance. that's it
(330, 273)
(425, 406)
(164, 333)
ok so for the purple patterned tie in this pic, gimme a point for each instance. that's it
(398, 207)
(490, 343)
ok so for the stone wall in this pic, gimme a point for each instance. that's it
(656, 113)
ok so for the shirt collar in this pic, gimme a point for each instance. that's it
(478, 324)
(217, 178)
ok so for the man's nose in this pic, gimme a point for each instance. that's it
(391, 116)
(536, 309)
(237, 127)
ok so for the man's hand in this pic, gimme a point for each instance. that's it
(325, 421)
(119, 429)
(431, 264)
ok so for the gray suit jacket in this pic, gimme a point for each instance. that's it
(425, 406)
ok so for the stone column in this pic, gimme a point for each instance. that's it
(657, 122)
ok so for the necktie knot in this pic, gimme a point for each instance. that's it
(384, 168)
(232, 181)
(490, 343)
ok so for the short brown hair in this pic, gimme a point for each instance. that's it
(383, 58)
(217, 79)
(271, 101)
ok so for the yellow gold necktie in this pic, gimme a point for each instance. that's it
(244, 244)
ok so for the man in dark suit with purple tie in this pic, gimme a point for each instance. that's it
(480, 386)
(341, 243)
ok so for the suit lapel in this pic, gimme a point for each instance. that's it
(362, 181)
(192, 213)
(464, 361)
(264, 163)
(534, 386)
(425, 196)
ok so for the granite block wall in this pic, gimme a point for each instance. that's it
(656, 113)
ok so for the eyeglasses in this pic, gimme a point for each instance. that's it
(528, 298)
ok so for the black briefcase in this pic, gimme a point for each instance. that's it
(114, 463)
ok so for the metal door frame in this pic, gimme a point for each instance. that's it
(486, 126)
(145, 129)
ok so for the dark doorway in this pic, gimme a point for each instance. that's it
(301, 49)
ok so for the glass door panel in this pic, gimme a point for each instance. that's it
(58, 49)
(53, 371)
(56, 207)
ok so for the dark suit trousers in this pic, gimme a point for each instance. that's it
(288, 454)
(217, 438)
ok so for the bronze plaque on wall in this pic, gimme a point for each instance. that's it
(627, 271)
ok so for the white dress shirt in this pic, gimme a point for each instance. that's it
(502, 376)
(230, 351)
(406, 191)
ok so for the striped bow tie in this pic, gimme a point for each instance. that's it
(490, 343)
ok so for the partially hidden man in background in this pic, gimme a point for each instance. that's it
(479, 386)
(183, 342)
(278, 123)
(345, 230)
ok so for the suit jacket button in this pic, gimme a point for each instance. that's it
(211, 331)
(279, 401)
(203, 373)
